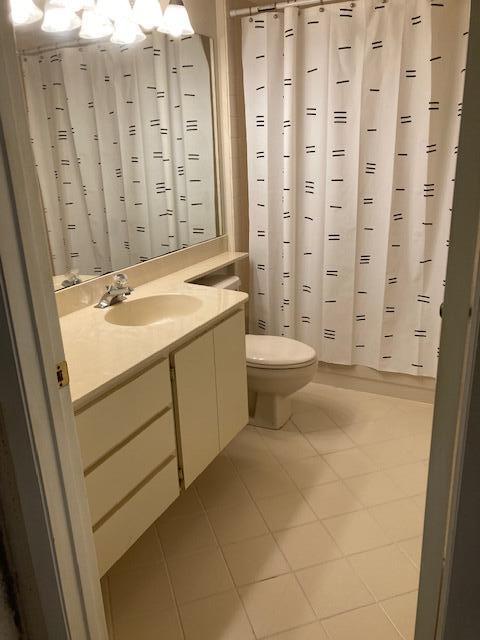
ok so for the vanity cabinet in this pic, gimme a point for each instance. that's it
(128, 445)
(211, 394)
(129, 438)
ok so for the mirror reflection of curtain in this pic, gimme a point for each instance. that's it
(352, 114)
(123, 144)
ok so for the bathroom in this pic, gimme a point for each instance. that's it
(246, 263)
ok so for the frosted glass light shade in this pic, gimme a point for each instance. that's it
(127, 32)
(176, 21)
(114, 9)
(148, 14)
(95, 25)
(58, 19)
(24, 12)
(75, 5)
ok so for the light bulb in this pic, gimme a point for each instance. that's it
(176, 21)
(57, 18)
(127, 32)
(148, 14)
(24, 12)
(95, 25)
(115, 9)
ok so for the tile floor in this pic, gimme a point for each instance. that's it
(308, 533)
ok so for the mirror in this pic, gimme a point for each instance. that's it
(124, 146)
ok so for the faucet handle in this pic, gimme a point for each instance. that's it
(120, 280)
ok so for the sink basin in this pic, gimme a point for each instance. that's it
(152, 310)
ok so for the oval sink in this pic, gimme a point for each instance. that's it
(152, 310)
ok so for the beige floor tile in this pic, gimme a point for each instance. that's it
(329, 440)
(158, 624)
(288, 445)
(220, 486)
(411, 478)
(333, 587)
(353, 408)
(307, 545)
(387, 571)
(145, 552)
(309, 632)
(373, 431)
(310, 472)
(139, 592)
(249, 449)
(356, 532)
(369, 623)
(198, 575)
(233, 524)
(187, 504)
(220, 617)
(185, 535)
(311, 418)
(402, 611)
(254, 560)
(419, 414)
(286, 510)
(374, 488)
(401, 451)
(352, 462)
(333, 499)
(413, 549)
(400, 520)
(264, 483)
(420, 501)
(276, 605)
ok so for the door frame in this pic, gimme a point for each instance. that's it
(38, 424)
(456, 386)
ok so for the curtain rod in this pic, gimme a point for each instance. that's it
(279, 6)
(60, 45)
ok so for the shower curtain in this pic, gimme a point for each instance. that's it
(122, 138)
(353, 114)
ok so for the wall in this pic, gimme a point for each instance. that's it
(7, 628)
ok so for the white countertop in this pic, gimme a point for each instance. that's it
(100, 354)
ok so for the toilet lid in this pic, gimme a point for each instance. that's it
(274, 352)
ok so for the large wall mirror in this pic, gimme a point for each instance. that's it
(124, 145)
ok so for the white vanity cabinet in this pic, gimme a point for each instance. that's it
(129, 437)
(127, 440)
(211, 393)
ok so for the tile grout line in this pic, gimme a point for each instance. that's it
(169, 577)
(235, 588)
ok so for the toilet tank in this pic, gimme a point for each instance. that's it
(220, 281)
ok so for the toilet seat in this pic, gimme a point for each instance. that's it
(275, 352)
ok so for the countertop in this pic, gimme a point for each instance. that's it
(101, 355)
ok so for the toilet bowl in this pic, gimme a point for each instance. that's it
(276, 368)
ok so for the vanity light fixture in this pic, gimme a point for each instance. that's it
(95, 25)
(176, 21)
(24, 12)
(115, 9)
(126, 32)
(148, 14)
(59, 18)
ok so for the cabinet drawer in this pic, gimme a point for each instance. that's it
(112, 481)
(105, 424)
(117, 534)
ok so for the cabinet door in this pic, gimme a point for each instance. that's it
(231, 377)
(197, 405)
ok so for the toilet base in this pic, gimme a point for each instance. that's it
(269, 410)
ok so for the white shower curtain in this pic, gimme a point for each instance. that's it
(352, 115)
(123, 143)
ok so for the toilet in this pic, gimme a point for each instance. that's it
(276, 368)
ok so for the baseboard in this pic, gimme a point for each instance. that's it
(361, 378)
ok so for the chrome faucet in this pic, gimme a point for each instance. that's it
(116, 292)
